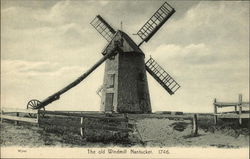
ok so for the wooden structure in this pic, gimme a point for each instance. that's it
(155, 22)
(238, 112)
(93, 126)
(36, 104)
(161, 76)
(195, 125)
(125, 85)
(14, 115)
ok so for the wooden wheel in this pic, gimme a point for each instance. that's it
(33, 104)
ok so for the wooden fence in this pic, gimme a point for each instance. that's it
(237, 113)
(14, 114)
(82, 123)
(94, 126)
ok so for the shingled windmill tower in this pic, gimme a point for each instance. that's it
(125, 85)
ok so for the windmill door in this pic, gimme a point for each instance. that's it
(109, 102)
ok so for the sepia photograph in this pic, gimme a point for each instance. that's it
(125, 79)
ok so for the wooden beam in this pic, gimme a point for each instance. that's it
(235, 108)
(245, 104)
(233, 115)
(240, 112)
(229, 115)
(16, 122)
(225, 104)
(215, 112)
(30, 120)
(245, 116)
(161, 116)
(81, 129)
(97, 116)
(77, 112)
(195, 125)
(240, 108)
(15, 110)
(230, 104)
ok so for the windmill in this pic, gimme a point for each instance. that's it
(125, 85)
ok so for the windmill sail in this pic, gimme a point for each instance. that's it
(155, 22)
(103, 28)
(161, 76)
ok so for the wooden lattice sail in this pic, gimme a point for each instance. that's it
(103, 28)
(161, 76)
(155, 22)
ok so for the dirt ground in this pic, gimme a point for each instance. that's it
(224, 136)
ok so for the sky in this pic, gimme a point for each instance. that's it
(45, 45)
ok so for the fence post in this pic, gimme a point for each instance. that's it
(81, 127)
(240, 108)
(37, 117)
(215, 112)
(195, 125)
(240, 111)
(17, 114)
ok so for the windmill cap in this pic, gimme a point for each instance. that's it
(128, 44)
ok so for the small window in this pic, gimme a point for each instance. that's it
(109, 102)
(111, 80)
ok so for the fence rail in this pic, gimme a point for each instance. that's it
(227, 104)
(14, 110)
(16, 118)
(7, 113)
(237, 113)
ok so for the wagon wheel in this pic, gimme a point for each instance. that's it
(33, 104)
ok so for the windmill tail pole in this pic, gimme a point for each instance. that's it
(56, 95)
